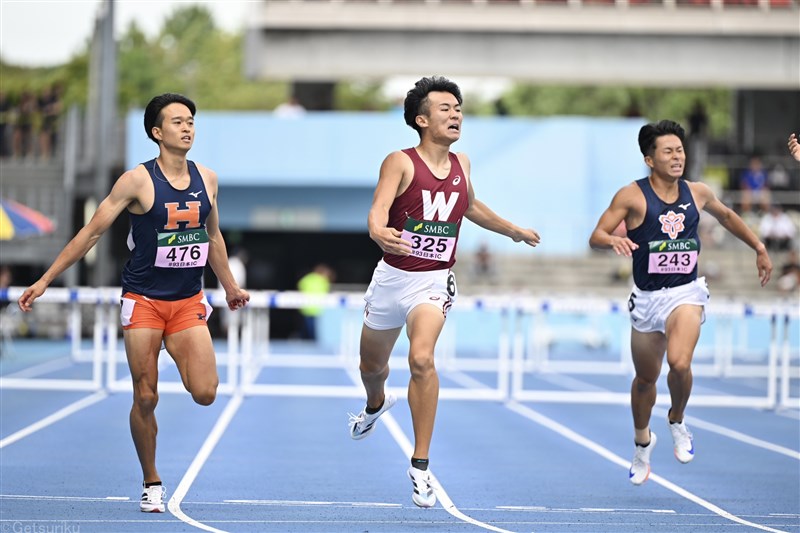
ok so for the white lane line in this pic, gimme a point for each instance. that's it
(42, 368)
(202, 456)
(53, 418)
(616, 459)
(441, 494)
(733, 434)
(296, 503)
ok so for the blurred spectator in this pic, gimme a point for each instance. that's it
(5, 279)
(777, 229)
(778, 178)
(484, 264)
(315, 283)
(50, 109)
(754, 185)
(292, 108)
(24, 114)
(697, 141)
(500, 108)
(7, 320)
(5, 122)
(789, 277)
(633, 110)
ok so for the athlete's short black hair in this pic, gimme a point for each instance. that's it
(650, 132)
(417, 98)
(152, 113)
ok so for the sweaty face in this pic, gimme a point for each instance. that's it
(177, 127)
(668, 159)
(443, 117)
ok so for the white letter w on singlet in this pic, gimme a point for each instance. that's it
(438, 206)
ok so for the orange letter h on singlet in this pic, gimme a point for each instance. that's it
(190, 215)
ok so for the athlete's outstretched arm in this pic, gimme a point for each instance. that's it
(123, 193)
(734, 223)
(218, 253)
(794, 146)
(480, 213)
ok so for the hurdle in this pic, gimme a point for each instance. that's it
(520, 331)
(101, 299)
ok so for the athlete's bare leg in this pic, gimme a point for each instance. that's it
(376, 348)
(193, 352)
(142, 347)
(424, 325)
(648, 354)
(683, 331)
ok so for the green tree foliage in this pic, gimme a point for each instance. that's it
(192, 56)
(652, 104)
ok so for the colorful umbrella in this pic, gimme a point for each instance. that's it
(20, 221)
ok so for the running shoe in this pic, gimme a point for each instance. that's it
(153, 499)
(640, 466)
(363, 423)
(423, 495)
(682, 439)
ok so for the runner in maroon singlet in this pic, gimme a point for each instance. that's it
(422, 196)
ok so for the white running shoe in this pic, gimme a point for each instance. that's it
(683, 442)
(363, 423)
(153, 499)
(640, 466)
(423, 495)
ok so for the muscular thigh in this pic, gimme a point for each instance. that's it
(647, 350)
(193, 352)
(425, 323)
(683, 332)
(142, 346)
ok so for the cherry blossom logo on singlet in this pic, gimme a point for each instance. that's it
(456, 180)
(672, 224)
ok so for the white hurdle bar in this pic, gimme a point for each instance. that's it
(248, 348)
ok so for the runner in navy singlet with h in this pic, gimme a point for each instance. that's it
(667, 304)
(172, 205)
(422, 195)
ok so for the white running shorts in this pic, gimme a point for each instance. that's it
(649, 310)
(393, 293)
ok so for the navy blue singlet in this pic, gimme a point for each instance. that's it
(172, 211)
(663, 222)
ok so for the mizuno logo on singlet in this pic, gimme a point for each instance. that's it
(196, 194)
(684, 206)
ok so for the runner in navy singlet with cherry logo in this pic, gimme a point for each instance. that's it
(422, 196)
(667, 304)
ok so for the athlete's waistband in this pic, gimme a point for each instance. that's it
(423, 274)
(676, 288)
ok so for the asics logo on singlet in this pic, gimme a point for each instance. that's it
(196, 194)
(684, 206)
(457, 180)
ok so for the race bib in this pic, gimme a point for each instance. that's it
(677, 256)
(182, 249)
(431, 240)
